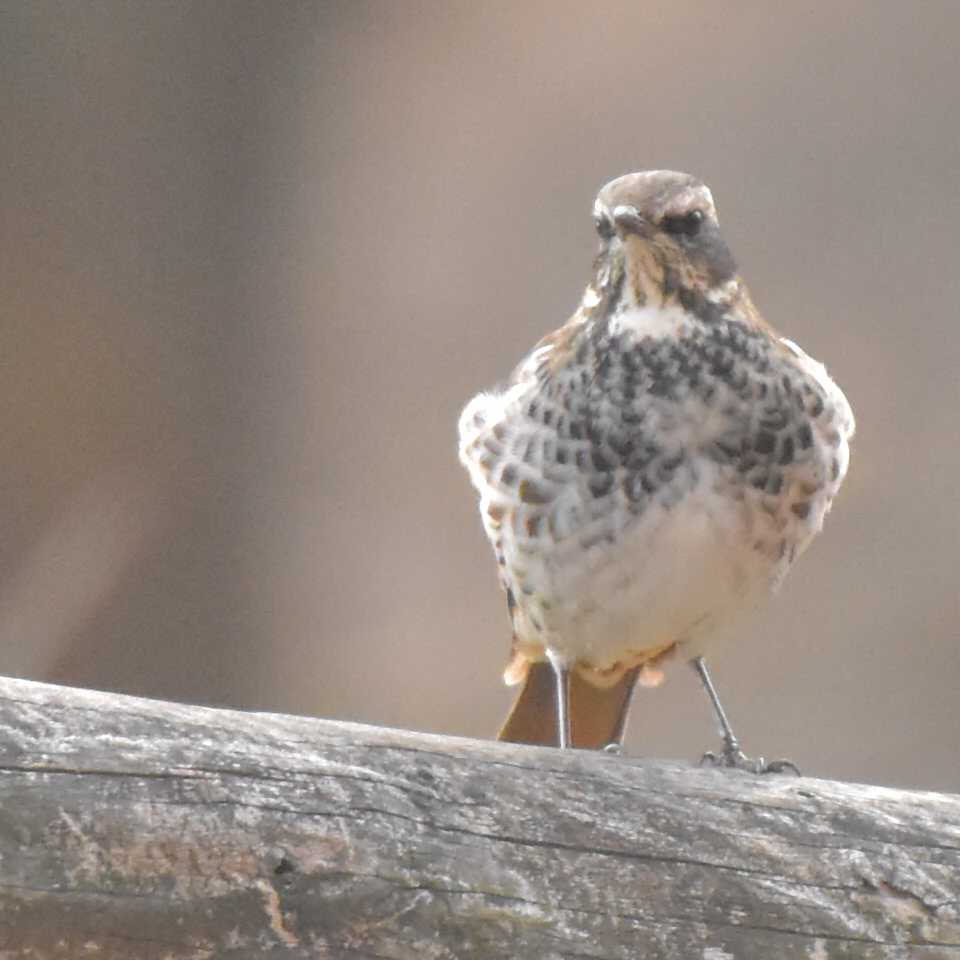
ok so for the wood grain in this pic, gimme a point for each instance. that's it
(135, 828)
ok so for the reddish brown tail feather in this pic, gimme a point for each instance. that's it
(598, 716)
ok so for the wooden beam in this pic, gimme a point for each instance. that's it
(132, 828)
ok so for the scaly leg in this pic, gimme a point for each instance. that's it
(732, 755)
(561, 673)
(615, 745)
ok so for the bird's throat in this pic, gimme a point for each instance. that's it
(646, 274)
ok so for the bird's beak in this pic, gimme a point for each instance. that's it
(627, 220)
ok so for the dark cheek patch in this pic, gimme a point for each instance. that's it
(713, 257)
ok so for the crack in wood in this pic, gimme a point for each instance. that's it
(339, 840)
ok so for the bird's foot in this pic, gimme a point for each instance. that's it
(733, 758)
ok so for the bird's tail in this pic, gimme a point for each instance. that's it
(598, 715)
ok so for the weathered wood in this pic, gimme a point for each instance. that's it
(133, 828)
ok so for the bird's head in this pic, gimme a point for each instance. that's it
(659, 240)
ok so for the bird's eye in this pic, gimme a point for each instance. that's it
(687, 224)
(604, 226)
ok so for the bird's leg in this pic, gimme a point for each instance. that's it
(731, 745)
(561, 673)
(615, 746)
(732, 755)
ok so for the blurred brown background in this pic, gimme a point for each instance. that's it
(256, 256)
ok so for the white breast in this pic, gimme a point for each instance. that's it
(679, 573)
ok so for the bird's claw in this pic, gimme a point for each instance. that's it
(781, 766)
(733, 758)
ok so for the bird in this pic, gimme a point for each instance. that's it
(649, 472)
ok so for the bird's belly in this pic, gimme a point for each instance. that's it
(682, 572)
